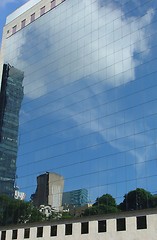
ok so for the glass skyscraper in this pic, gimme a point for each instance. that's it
(75, 198)
(10, 101)
(89, 110)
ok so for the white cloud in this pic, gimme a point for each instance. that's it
(112, 44)
(109, 42)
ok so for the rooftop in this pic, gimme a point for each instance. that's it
(21, 10)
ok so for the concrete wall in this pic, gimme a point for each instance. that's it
(56, 185)
(25, 12)
(131, 232)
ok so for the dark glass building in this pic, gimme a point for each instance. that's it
(11, 96)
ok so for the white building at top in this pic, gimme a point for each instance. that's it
(23, 16)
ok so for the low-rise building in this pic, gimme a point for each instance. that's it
(133, 225)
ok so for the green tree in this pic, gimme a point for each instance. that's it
(104, 204)
(14, 211)
(105, 199)
(138, 199)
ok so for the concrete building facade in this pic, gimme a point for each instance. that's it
(49, 190)
(131, 226)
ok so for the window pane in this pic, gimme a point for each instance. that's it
(53, 231)
(102, 226)
(27, 233)
(14, 234)
(32, 17)
(68, 229)
(121, 224)
(53, 3)
(3, 235)
(39, 231)
(84, 228)
(42, 11)
(23, 23)
(141, 222)
(14, 29)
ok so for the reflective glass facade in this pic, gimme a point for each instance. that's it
(75, 198)
(10, 101)
(89, 111)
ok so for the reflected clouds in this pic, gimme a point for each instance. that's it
(87, 94)
(100, 53)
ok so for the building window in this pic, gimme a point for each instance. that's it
(14, 29)
(39, 232)
(14, 234)
(27, 233)
(84, 227)
(141, 222)
(23, 23)
(8, 31)
(102, 226)
(33, 17)
(42, 11)
(121, 224)
(68, 229)
(53, 3)
(3, 235)
(53, 231)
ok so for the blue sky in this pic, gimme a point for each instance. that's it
(7, 7)
(90, 112)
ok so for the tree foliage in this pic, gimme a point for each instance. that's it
(14, 211)
(104, 204)
(106, 200)
(138, 199)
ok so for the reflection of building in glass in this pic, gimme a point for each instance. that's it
(19, 195)
(90, 108)
(75, 198)
(49, 190)
(10, 102)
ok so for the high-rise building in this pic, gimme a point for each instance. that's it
(49, 190)
(11, 96)
(89, 110)
(76, 198)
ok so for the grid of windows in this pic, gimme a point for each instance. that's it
(141, 223)
(89, 109)
(121, 225)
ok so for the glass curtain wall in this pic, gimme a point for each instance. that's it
(89, 110)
